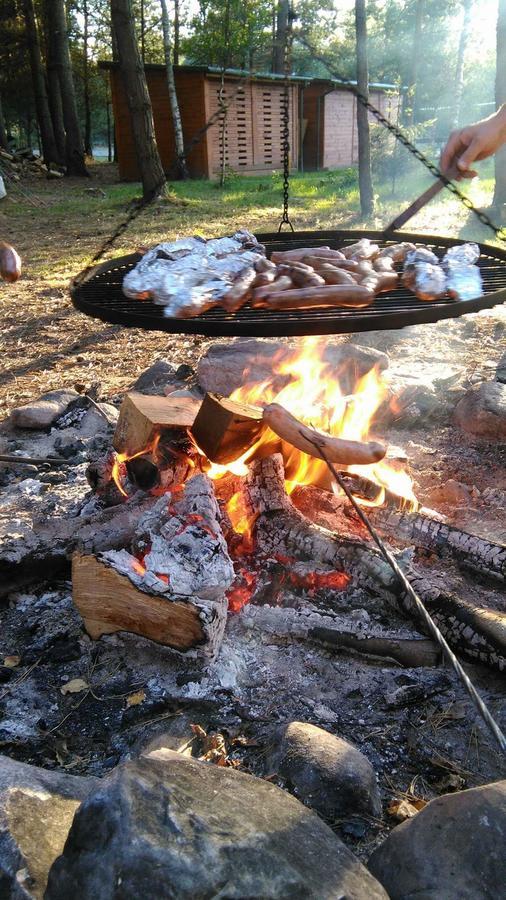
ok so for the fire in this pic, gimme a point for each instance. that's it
(313, 393)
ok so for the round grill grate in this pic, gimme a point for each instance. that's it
(101, 296)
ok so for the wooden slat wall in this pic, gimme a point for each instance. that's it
(253, 141)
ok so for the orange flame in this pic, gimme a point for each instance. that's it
(313, 393)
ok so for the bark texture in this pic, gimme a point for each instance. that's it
(278, 58)
(139, 103)
(49, 147)
(60, 55)
(465, 33)
(364, 142)
(3, 131)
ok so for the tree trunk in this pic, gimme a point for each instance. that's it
(49, 146)
(461, 57)
(4, 143)
(143, 33)
(139, 104)
(58, 38)
(177, 30)
(278, 60)
(174, 105)
(500, 98)
(53, 92)
(364, 143)
(415, 56)
(88, 146)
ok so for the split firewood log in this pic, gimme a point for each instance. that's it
(352, 296)
(310, 440)
(10, 263)
(224, 429)
(142, 417)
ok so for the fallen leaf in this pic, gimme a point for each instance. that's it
(405, 809)
(12, 661)
(198, 731)
(135, 699)
(75, 686)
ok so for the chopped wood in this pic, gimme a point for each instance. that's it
(142, 417)
(224, 429)
(345, 453)
(109, 602)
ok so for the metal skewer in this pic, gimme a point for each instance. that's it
(431, 625)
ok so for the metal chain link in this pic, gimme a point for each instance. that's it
(499, 232)
(285, 131)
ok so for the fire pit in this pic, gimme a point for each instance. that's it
(101, 296)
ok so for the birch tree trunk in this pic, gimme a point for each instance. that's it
(58, 39)
(500, 98)
(177, 32)
(47, 137)
(415, 58)
(461, 58)
(364, 142)
(139, 103)
(174, 105)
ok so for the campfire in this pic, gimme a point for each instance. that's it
(235, 487)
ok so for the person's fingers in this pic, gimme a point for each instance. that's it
(453, 148)
(470, 154)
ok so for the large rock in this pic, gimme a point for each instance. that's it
(454, 849)
(168, 826)
(225, 367)
(325, 772)
(36, 811)
(155, 379)
(483, 410)
(41, 413)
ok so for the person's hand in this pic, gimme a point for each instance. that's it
(468, 145)
(10, 263)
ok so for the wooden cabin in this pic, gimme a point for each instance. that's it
(251, 139)
(329, 116)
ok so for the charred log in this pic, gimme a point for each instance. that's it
(477, 632)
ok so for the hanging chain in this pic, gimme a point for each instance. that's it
(285, 131)
(499, 232)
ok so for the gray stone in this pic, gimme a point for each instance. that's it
(155, 379)
(325, 772)
(482, 410)
(168, 826)
(43, 412)
(225, 367)
(36, 811)
(454, 849)
(500, 374)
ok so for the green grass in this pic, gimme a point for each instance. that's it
(75, 221)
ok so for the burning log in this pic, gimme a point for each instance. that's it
(479, 633)
(110, 601)
(469, 550)
(143, 418)
(173, 590)
(224, 429)
(412, 652)
(345, 453)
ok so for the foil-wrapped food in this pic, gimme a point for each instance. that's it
(456, 275)
(189, 276)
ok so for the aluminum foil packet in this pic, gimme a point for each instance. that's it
(423, 274)
(463, 278)
(190, 275)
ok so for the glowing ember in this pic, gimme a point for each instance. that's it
(314, 581)
(242, 590)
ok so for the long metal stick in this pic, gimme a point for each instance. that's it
(431, 625)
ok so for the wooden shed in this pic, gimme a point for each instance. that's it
(329, 115)
(252, 137)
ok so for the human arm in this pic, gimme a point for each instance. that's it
(474, 142)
